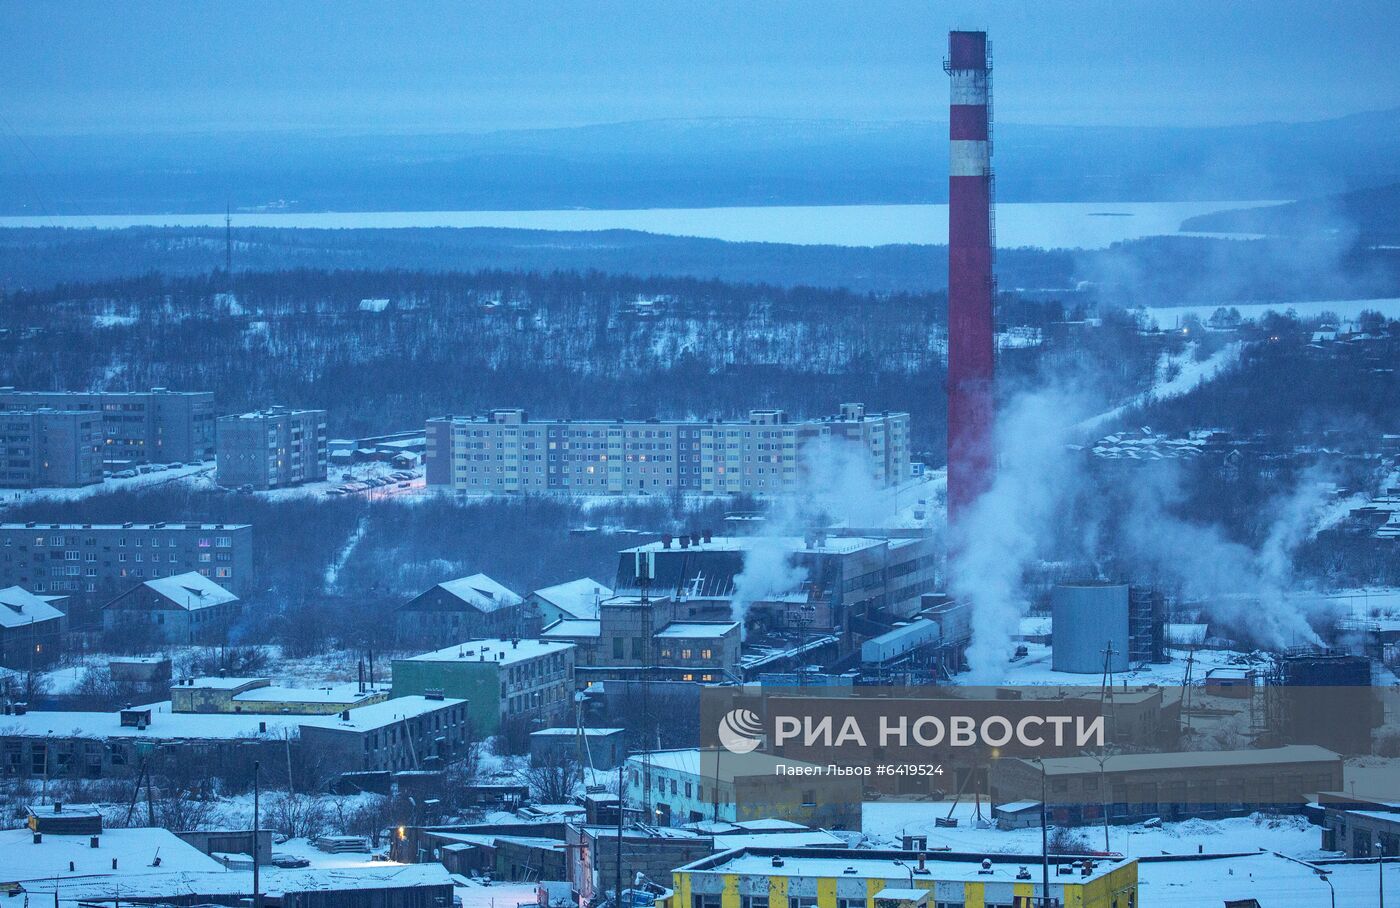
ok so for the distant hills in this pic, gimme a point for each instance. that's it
(1366, 216)
(686, 163)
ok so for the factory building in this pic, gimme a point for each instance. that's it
(653, 638)
(505, 452)
(690, 785)
(259, 695)
(846, 577)
(1173, 786)
(752, 877)
(272, 449)
(155, 426)
(523, 682)
(91, 564)
(50, 448)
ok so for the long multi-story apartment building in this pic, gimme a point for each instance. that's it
(93, 563)
(155, 426)
(505, 452)
(271, 449)
(50, 448)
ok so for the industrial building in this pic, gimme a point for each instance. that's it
(261, 696)
(867, 878)
(155, 426)
(599, 748)
(847, 578)
(690, 785)
(575, 600)
(505, 452)
(401, 733)
(524, 682)
(186, 608)
(272, 449)
(467, 608)
(1173, 786)
(93, 563)
(653, 638)
(50, 448)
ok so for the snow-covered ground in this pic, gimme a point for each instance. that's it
(1177, 374)
(496, 895)
(191, 474)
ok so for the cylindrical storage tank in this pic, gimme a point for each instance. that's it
(1089, 618)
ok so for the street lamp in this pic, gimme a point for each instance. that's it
(899, 863)
(1326, 876)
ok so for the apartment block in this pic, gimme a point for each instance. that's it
(50, 448)
(94, 563)
(272, 449)
(155, 426)
(504, 452)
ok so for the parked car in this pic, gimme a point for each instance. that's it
(289, 861)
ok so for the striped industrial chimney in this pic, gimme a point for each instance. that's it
(971, 351)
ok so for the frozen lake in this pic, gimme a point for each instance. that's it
(1348, 310)
(1088, 225)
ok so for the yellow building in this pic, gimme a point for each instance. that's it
(857, 878)
(261, 696)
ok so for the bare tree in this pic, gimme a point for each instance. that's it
(554, 779)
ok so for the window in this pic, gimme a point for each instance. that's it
(753, 901)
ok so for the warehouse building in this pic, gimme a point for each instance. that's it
(690, 785)
(272, 449)
(260, 696)
(861, 878)
(93, 563)
(505, 452)
(1173, 786)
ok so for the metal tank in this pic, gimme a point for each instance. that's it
(1089, 618)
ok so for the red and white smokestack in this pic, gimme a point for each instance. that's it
(971, 349)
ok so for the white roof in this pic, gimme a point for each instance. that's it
(347, 694)
(834, 864)
(191, 591)
(275, 882)
(570, 732)
(1292, 753)
(835, 545)
(713, 764)
(697, 630)
(167, 725)
(502, 652)
(19, 607)
(133, 849)
(574, 627)
(481, 592)
(578, 598)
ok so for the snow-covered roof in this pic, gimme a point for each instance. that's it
(122, 526)
(839, 863)
(167, 725)
(19, 607)
(833, 545)
(502, 652)
(697, 630)
(224, 882)
(132, 849)
(1292, 753)
(570, 732)
(190, 591)
(711, 764)
(578, 598)
(346, 694)
(480, 592)
(574, 627)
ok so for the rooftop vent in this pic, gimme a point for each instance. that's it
(777, 860)
(986, 867)
(1023, 874)
(94, 842)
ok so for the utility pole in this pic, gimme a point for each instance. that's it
(257, 891)
(1044, 841)
(620, 797)
(228, 244)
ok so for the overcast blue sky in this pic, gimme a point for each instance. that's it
(99, 67)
